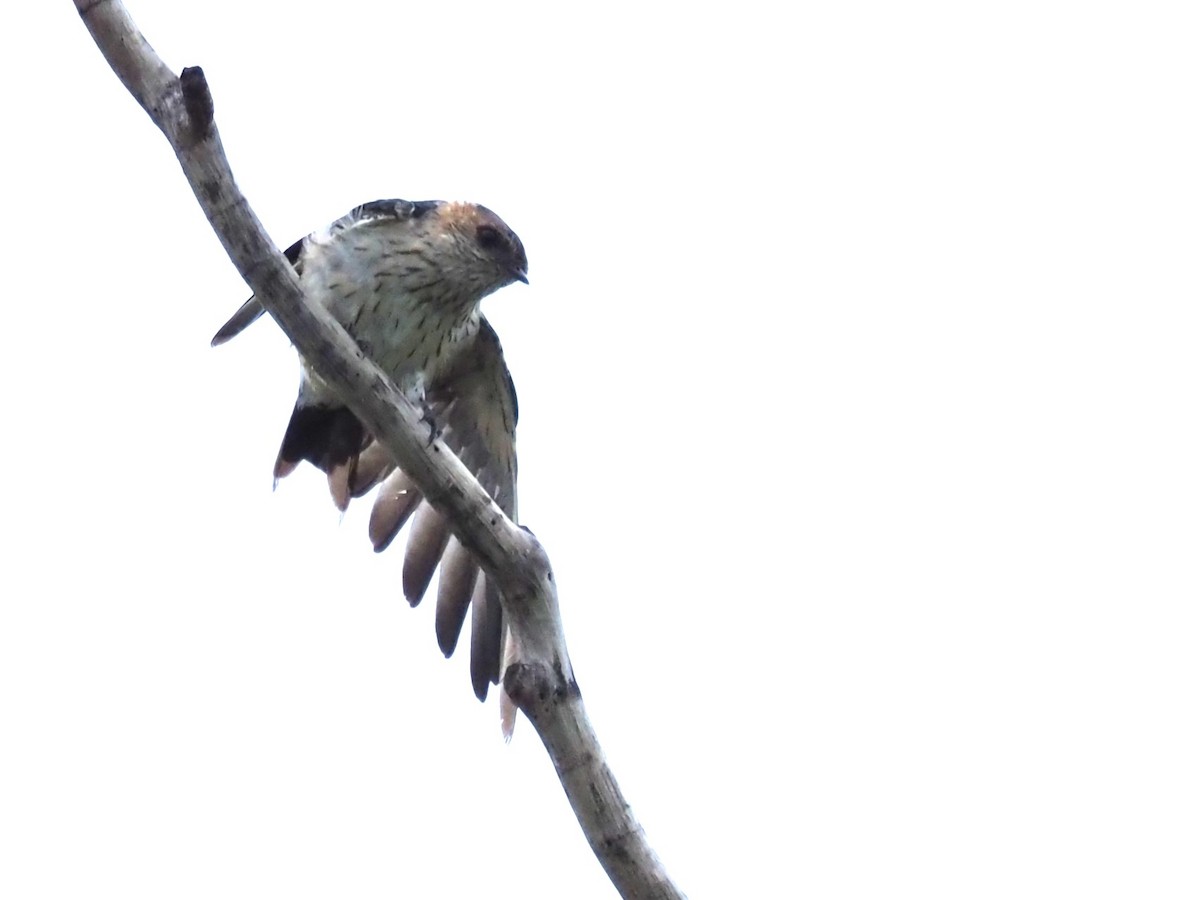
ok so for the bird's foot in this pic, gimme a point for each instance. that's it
(428, 418)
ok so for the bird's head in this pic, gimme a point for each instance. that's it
(486, 252)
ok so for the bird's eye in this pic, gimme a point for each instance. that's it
(488, 237)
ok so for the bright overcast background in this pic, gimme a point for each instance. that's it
(859, 390)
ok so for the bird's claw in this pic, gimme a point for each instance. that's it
(428, 418)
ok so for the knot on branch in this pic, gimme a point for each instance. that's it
(536, 688)
(198, 101)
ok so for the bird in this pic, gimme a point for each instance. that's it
(405, 279)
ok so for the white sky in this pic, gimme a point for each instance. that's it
(858, 376)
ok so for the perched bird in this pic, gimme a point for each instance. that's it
(405, 280)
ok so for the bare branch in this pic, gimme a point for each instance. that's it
(540, 681)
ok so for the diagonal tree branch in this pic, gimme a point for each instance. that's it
(540, 680)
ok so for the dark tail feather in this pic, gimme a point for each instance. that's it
(326, 436)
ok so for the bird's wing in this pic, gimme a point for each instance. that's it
(476, 406)
(367, 215)
(252, 309)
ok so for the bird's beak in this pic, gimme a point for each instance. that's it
(520, 275)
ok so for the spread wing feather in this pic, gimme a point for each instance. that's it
(476, 406)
